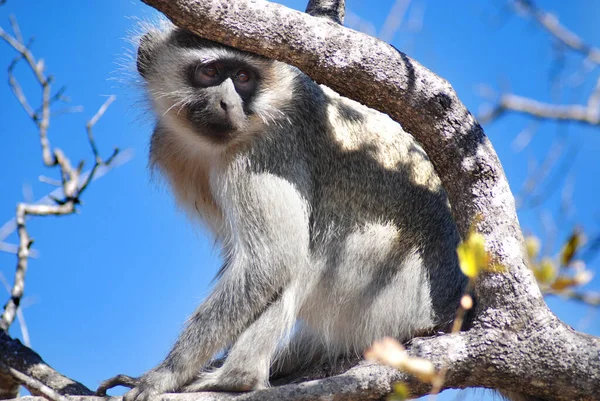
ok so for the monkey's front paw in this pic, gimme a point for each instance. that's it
(153, 383)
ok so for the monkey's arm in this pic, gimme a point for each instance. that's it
(266, 243)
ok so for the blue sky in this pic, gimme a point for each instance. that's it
(113, 285)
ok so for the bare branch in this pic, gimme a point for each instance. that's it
(519, 104)
(34, 386)
(37, 68)
(588, 298)
(25, 360)
(18, 362)
(20, 315)
(50, 199)
(553, 26)
(10, 308)
(98, 160)
(15, 28)
(17, 90)
(70, 176)
(585, 114)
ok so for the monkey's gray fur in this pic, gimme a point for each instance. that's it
(334, 228)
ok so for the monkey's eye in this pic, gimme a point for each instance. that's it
(205, 75)
(210, 70)
(242, 76)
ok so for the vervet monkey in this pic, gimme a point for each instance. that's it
(334, 228)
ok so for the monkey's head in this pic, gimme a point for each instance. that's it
(218, 93)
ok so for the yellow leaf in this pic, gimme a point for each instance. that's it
(467, 261)
(574, 242)
(533, 247)
(472, 256)
(400, 393)
(546, 271)
(562, 283)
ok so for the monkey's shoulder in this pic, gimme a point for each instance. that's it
(370, 140)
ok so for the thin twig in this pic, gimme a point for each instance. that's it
(588, 298)
(37, 67)
(553, 26)
(72, 184)
(20, 316)
(25, 242)
(588, 113)
(93, 122)
(50, 199)
(571, 112)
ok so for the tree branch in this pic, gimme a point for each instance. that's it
(552, 25)
(71, 187)
(33, 385)
(19, 364)
(586, 114)
(26, 361)
(589, 114)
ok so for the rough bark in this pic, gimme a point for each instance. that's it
(9, 387)
(515, 342)
(28, 362)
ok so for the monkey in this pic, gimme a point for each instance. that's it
(333, 226)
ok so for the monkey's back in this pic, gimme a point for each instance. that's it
(383, 240)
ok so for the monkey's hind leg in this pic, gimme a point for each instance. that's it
(246, 366)
(304, 353)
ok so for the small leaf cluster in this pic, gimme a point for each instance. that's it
(562, 272)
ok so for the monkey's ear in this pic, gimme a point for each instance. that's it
(145, 53)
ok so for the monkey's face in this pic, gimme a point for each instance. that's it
(201, 86)
(224, 90)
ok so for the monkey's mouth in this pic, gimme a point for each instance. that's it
(219, 132)
(218, 129)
